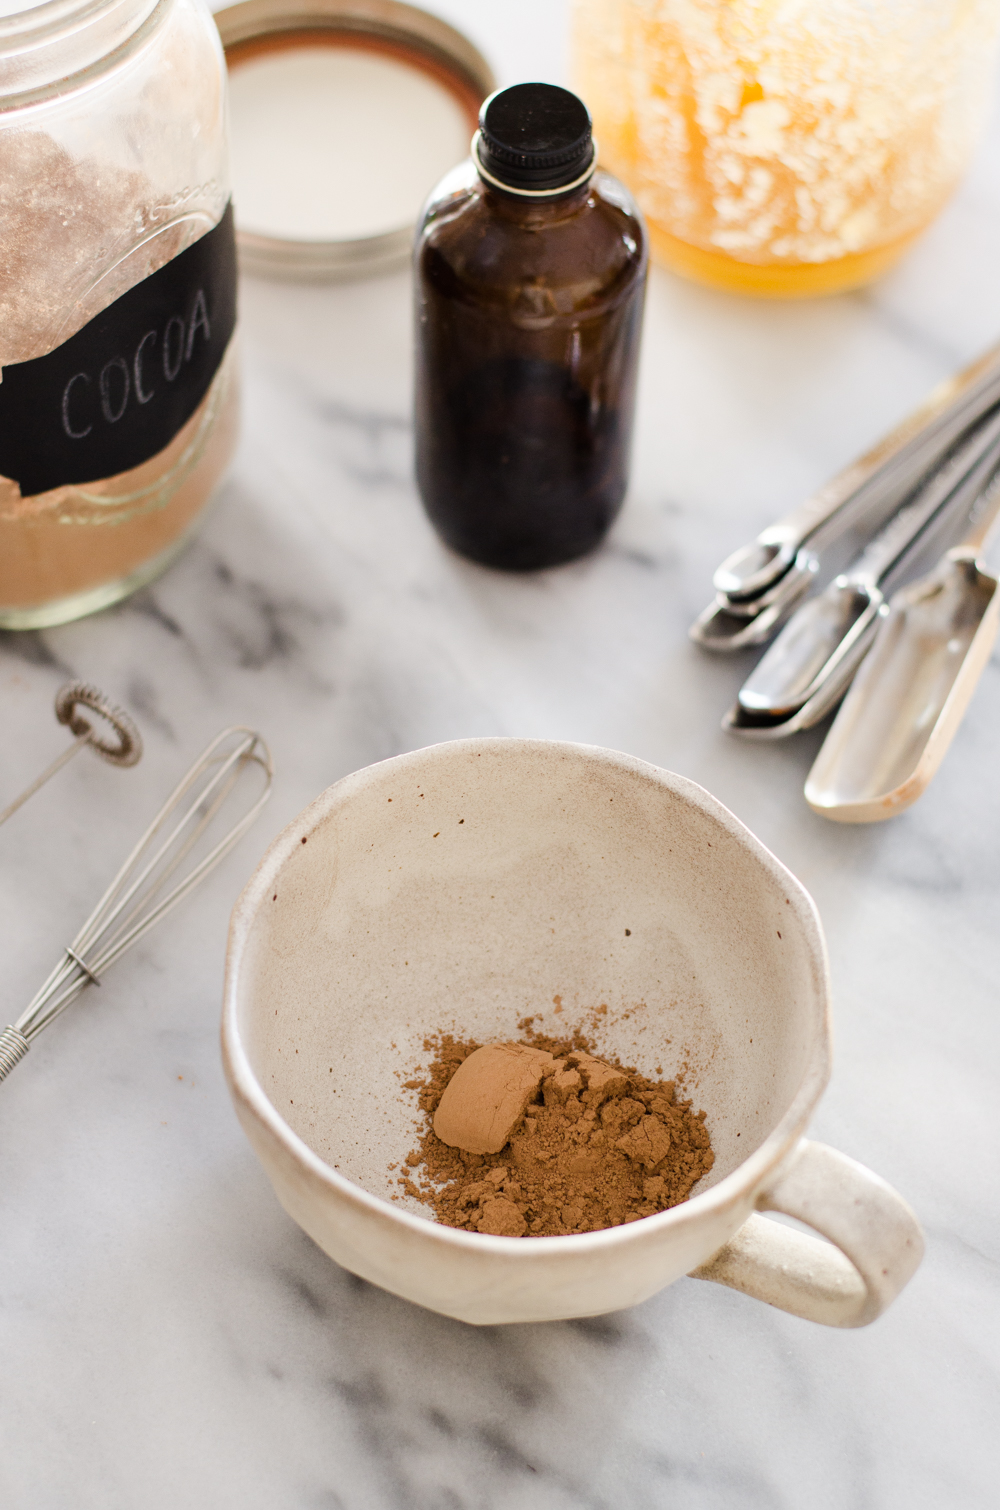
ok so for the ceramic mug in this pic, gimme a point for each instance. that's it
(461, 887)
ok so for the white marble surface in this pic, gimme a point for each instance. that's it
(169, 1340)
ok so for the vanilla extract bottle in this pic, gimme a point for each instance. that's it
(530, 275)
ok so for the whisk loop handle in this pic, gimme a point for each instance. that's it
(124, 750)
(13, 1047)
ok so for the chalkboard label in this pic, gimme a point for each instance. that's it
(118, 391)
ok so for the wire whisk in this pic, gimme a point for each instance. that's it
(135, 900)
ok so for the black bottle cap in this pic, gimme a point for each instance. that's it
(535, 136)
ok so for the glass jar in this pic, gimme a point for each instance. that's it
(530, 275)
(786, 149)
(118, 398)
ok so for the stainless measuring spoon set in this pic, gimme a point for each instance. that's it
(925, 497)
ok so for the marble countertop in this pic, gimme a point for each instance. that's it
(170, 1339)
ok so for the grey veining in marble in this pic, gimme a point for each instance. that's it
(169, 1340)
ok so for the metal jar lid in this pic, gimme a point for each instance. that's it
(366, 30)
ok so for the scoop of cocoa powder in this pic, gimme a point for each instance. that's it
(590, 1143)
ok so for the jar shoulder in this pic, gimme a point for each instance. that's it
(473, 244)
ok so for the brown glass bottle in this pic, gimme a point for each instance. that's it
(530, 273)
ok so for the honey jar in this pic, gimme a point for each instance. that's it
(786, 147)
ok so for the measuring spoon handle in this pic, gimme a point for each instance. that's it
(869, 485)
(955, 485)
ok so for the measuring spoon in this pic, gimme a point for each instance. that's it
(721, 627)
(813, 660)
(909, 697)
(775, 571)
(882, 475)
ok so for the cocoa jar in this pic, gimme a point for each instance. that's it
(118, 401)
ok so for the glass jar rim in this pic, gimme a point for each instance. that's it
(61, 45)
(39, 23)
(57, 20)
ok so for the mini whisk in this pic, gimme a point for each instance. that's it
(125, 750)
(135, 901)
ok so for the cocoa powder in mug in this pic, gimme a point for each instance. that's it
(593, 1143)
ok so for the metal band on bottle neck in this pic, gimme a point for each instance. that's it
(498, 183)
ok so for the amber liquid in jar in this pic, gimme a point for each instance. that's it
(528, 324)
(786, 151)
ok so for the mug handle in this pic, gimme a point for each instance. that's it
(877, 1242)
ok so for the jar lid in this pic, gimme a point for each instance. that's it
(344, 114)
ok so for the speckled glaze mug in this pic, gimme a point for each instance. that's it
(463, 886)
